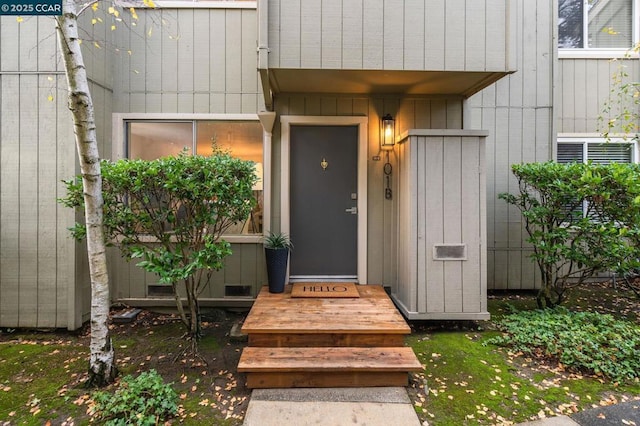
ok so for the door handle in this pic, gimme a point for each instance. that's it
(352, 210)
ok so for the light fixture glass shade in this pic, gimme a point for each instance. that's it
(388, 136)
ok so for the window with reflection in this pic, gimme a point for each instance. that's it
(595, 24)
(148, 140)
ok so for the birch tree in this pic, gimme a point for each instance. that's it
(102, 368)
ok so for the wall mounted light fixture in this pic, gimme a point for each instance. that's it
(388, 132)
(387, 141)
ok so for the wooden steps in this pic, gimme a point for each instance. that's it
(327, 367)
(296, 342)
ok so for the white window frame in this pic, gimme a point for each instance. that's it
(586, 140)
(605, 53)
(118, 151)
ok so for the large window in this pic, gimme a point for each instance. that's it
(151, 139)
(596, 24)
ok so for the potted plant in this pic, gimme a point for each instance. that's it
(276, 252)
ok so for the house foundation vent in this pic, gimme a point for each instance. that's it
(159, 290)
(450, 252)
(237, 290)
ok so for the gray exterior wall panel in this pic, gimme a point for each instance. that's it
(199, 61)
(586, 85)
(41, 282)
(518, 113)
(391, 35)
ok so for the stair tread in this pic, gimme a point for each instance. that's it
(313, 359)
(372, 313)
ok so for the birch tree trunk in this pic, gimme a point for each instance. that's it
(102, 369)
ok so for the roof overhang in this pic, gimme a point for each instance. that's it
(450, 83)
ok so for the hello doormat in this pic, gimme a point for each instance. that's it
(325, 290)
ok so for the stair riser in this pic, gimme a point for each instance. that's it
(325, 340)
(326, 379)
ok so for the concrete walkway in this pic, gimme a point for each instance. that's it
(331, 407)
(388, 406)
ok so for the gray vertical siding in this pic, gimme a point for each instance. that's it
(448, 35)
(185, 61)
(441, 200)
(585, 87)
(245, 267)
(42, 282)
(518, 112)
(188, 61)
(37, 270)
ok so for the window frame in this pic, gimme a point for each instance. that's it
(599, 52)
(119, 151)
(585, 141)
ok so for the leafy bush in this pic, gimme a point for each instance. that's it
(144, 400)
(172, 213)
(584, 341)
(571, 245)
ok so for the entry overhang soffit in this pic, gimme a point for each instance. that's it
(458, 83)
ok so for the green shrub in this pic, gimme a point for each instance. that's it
(144, 400)
(581, 219)
(583, 341)
(172, 213)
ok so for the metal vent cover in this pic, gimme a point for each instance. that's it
(450, 252)
(159, 290)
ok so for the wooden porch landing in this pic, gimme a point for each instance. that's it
(320, 342)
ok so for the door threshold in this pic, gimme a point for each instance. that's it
(324, 278)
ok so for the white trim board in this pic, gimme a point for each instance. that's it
(286, 121)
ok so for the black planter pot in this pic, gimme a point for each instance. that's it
(276, 268)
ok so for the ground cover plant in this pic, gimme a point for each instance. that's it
(590, 342)
(466, 381)
(141, 400)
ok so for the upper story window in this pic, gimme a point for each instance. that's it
(597, 24)
(151, 139)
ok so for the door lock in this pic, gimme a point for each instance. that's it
(352, 210)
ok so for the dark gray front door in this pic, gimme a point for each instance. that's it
(323, 199)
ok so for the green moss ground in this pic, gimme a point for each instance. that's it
(464, 382)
